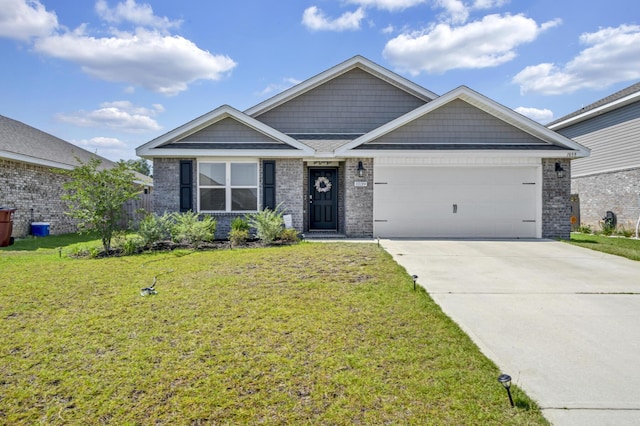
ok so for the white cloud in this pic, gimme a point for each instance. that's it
(539, 115)
(315, 19)
(455, 10)
(25, 19)
(388, 29)
(279, 87)
(161, 63)
(111, 148)
(489, 4)
(138, 14)
(101, 142)
(119, 115)
(480, 44)
(390, 5)
(612, 55)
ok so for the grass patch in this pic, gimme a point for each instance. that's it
(31, 243)
(306, 334)
(625, 247)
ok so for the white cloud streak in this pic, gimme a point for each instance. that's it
(611, 55)
(23, 20)
(488, 42)
(456, 11)
(390, 5)
(279, 87)
(112, 148)
(121, 116)
(539, 115)
(138, 14)
(316, 20)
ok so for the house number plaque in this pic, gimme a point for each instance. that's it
(361, 184)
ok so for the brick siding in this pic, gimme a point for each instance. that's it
(618, 192)
(358, 199)
(556, 202)
(28, 186)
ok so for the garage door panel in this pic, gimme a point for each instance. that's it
(455, 202)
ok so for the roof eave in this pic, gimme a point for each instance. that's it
(34, 160)
(611, 106)
(193, 153)
(463, 153)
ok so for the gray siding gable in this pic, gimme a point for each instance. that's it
(457, 123)
(354, 102)
(614, 140)
(228, 130)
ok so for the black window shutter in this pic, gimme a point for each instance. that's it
(269, 185)
(186, 185)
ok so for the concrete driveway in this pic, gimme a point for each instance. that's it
(563, 321)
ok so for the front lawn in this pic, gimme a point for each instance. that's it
(306, 334)
(625, 247)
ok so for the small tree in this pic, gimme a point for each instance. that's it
(140, 165)
(96, 197)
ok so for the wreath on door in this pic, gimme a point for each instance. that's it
(322, 184)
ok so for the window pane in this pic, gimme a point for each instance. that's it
(244, 174)
(212, 199)
(212, 174)
(244, 199)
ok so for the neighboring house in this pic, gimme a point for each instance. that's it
(361, 151)
(609, 180)
(29, 181)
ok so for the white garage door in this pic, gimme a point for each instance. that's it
(474, 202)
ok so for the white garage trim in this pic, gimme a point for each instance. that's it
(438, 198)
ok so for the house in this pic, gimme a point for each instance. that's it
(29, 179)
(361, 151)
(609, 180)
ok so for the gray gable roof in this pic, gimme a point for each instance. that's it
(634, 88)
(19, 141)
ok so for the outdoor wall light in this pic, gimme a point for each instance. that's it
(505, 380)
(415, 278)
(559, 170)
(360, 169)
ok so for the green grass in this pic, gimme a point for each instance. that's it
(625, 247)
(308, 334)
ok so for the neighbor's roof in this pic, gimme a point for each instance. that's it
(21, 142)
(614, 101)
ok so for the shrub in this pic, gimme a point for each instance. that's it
(132, 246)
(153, 228)
(607, 228)
(240, 224)
(238, 236)
(188, 228)
(624, 231)
(585, 229)
(289, 236)
(268, 224)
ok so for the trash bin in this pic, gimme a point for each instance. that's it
(6, 226)
(40, 229)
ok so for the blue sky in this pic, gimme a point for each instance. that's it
(110, 75)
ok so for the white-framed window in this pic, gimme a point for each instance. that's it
(227, 186)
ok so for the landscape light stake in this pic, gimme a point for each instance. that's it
(505, 379)
(415, 278)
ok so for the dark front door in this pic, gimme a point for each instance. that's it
(323, 199)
